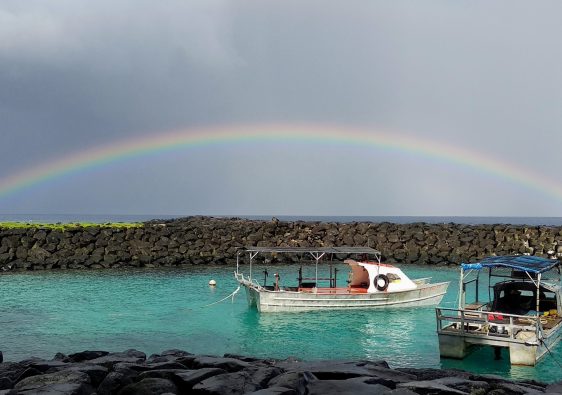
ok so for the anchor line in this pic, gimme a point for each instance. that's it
(551, 354)
(223, 299)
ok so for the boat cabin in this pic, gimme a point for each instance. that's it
(377, 277)
(524, 298)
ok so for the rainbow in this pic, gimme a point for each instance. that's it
(192, 138)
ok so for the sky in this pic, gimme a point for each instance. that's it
(483, 77)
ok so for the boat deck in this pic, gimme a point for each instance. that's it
(335, 291)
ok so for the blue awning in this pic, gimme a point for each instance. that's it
(526, 263)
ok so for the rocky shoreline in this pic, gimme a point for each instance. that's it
(208, 240)
(180, 372)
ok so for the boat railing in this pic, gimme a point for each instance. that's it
(422, 281)
(486, 323)
(247, 281)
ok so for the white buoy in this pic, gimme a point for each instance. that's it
(212, 283)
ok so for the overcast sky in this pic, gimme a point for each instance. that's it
(485, 76)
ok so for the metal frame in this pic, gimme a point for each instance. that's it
(317, 254)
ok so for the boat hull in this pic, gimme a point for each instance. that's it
(290, 301)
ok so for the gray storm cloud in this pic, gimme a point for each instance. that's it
(480, 75)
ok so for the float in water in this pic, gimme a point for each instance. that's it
(371, 283)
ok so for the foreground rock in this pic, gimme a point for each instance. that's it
(179, 372)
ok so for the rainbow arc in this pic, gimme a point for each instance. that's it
(317, 134)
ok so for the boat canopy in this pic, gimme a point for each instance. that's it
(312, 250)
(526, 263)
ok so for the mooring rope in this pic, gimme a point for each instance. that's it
(223, 299)
(551, 354)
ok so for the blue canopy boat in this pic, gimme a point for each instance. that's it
(522, 311)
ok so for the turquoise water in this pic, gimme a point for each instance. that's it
(154, 310)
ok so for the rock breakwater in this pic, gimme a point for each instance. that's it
(180, 372)
(207, 240)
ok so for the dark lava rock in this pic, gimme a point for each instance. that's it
(355, 386)
(555, 388)
(262, 375)
(460, 384)
(179, 372)
(1, 357)
(6, 383)
(242, 358)
(431, 387)
(401, 391)
(275, 391)
(110, 359)
(228, 364)
(169, 355)
(168, 374)
(86, 356)
(227, 384)
(114, 381)
(432, 374)
(341, 370)
(166, 365)
(150, 386)
(60, 357)
(44, 366)
(64, 382)
(296, 381)
(11, 370)
(189, 378)
(96, 372)
(175, 353)
(28, 373)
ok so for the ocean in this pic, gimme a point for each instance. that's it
(105, 218)
(157, 309)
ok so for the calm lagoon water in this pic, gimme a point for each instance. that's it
(153, 310)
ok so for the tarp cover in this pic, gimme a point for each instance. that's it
(526, 263)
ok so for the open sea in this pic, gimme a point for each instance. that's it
(104, 218)
(42, 313)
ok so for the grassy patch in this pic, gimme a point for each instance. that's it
(67, 226)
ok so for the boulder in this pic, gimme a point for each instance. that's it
(228, 364)
(227, 384)
(44, 366)
(27, 373)
(6, 383)
(262, 375)
(275, 391)
(115, 381)
(431, 387)
(554, 388)
(65, 382)
(355, 386)
(86, 356)
(165, 365)
(296, 381)
(130, 356)
(150, 386)
(188, 378)
(96, 372)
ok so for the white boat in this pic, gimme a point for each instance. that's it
(371, 284)
(522, 312)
